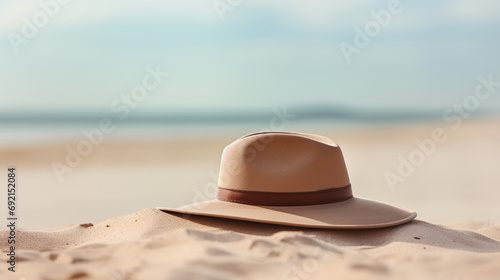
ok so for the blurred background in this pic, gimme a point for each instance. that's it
(110, 107)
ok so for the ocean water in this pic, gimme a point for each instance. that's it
(33, 130)
(27, 134)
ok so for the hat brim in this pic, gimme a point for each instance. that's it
(354, 213)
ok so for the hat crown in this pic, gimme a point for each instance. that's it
(282, 162)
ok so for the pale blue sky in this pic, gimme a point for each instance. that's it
(264, 54)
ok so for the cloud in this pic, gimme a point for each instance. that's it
(95, 11)
(477, 10)
(314, 14)
(12, 13)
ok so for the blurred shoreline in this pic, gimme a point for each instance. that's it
(28, 130)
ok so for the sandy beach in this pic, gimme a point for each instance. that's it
(99, 222)
(151, 244)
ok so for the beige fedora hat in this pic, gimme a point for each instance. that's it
(293, 179)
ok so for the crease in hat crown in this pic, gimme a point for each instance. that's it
(282, 162)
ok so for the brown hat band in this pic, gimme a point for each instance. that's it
(285, 198)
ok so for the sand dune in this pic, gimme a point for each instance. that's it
(151, 244)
